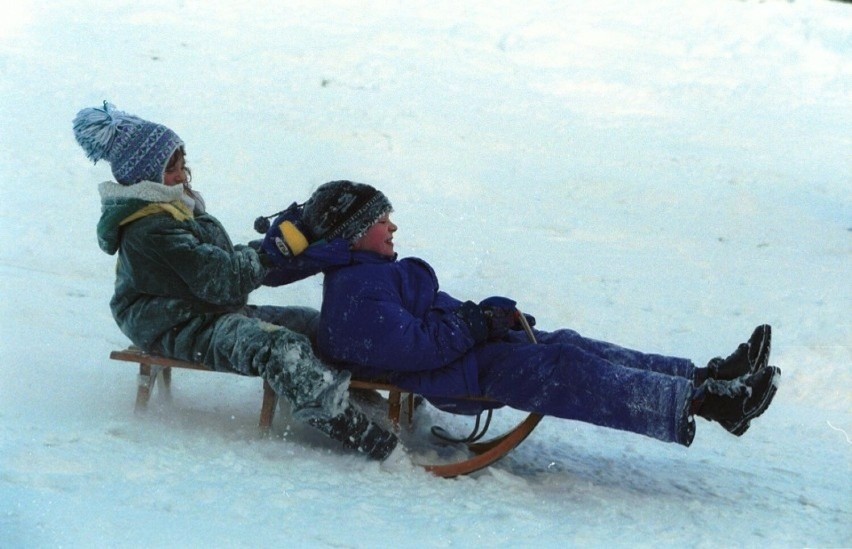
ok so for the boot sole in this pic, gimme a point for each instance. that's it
(760, 358)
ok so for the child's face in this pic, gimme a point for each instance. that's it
(378, 238)
(175, 171)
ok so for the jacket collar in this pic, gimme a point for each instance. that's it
(371, 258)
(147, 191)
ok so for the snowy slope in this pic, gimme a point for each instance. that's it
(664, 175)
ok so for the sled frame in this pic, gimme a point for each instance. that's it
(156, 370)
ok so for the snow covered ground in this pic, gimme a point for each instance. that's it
(664, 175)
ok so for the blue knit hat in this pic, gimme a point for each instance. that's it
(137, 150)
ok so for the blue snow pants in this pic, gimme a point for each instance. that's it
(569, 376)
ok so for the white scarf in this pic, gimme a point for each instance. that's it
(150, 191)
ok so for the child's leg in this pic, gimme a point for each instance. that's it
(302, 320)
(248, 346)
(284, 358)
(569, 382)
(629, 358)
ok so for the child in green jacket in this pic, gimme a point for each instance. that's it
(182, 287)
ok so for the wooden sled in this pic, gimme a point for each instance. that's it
(153, 368)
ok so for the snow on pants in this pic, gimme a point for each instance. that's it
(571, 377)
(273, 343)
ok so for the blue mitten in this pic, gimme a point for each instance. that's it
(285, 239)
(501, 315)
(316, 258)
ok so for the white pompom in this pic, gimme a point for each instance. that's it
(95, 129)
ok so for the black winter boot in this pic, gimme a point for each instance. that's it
(734, 403)
(355, 430)
(747, 359)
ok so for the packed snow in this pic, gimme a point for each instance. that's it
(664, 175)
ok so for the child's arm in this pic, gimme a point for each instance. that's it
(207, 271)
(315, 258)
(287, 250)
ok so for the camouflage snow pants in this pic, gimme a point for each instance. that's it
(273, 343)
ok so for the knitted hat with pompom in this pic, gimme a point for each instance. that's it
(137, 150)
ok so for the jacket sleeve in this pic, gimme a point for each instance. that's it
(206, 266)
(365, 323)
(316, 258)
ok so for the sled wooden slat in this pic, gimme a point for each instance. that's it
(154, 369)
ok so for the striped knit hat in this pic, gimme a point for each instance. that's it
(137, 150)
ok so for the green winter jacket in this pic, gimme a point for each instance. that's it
(177, 271)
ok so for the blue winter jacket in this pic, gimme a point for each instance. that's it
(386, 319)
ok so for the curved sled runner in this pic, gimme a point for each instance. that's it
(488, 452)
(485, 453)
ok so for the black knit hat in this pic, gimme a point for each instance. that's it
(343, 209)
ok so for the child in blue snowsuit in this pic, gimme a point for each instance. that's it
(182, 287)
(386, 319)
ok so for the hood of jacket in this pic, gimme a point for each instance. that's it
(121, 204)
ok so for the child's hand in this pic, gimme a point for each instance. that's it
(501, 315)
(285, 239)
